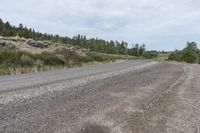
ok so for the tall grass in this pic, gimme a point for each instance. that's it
(14, 61)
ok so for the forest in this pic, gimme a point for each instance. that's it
(94, 44)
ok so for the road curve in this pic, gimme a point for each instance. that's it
(130, 96)
(8, 83)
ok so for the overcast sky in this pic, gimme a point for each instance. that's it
(160, 24)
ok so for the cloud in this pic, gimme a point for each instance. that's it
(166, 24)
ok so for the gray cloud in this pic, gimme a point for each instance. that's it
(166, 24)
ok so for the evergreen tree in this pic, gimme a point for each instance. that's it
(94, 44)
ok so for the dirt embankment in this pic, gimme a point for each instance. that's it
(37, 47)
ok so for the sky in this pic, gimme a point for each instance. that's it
(159, 24)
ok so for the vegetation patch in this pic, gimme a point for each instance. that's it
(190, 54)
(14, 61)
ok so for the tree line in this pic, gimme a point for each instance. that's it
(94, 44)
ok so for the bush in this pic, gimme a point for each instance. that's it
(50, 59)
(150, 54)
(13, 58)
(8, 56)
(26, 61)
(38, 44)
(189, 54)
(176, 55)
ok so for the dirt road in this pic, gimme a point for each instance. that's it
(123, 97)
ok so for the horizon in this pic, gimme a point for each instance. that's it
(165, 25)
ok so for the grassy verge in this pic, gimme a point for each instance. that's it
(14, 61)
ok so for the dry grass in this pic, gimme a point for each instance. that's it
(14, 61)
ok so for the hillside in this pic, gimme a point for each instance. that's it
(20, 55)
(24, 50)
(94, 44)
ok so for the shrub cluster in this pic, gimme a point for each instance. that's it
(12, 59)
(150, 54)
(189, 54)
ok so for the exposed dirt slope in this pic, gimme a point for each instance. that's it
(37, 47)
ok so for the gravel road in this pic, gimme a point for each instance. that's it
(135, 96)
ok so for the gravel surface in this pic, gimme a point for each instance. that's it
(123, 97)
(20, 81)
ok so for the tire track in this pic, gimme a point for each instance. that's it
(136, 118)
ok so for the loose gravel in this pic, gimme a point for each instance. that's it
(146, 97)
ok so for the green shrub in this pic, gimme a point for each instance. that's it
(9, 56)
(26, 61)
(50, 59)
(176, 55)
(189, 54)
(150, 54)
